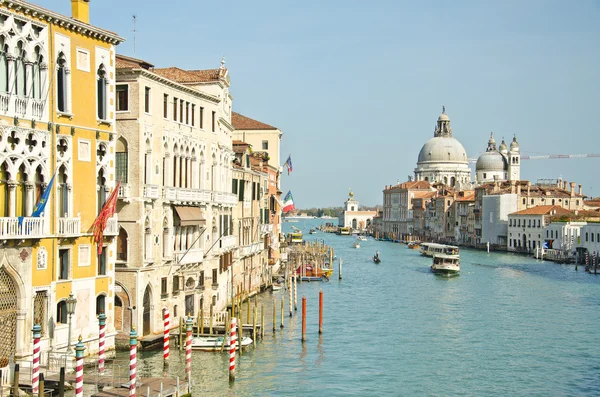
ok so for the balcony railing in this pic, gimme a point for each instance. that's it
(10, 228)
(228, 243)
(250, 249)
(184, 194)
(69, 226)
(112, 227)
(151, 192)
(225, 198)
(21, 106)
(125, 191)
(193, 255)
(266, 228)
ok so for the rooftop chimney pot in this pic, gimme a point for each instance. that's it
(81, 10)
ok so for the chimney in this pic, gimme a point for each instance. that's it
(565, 185)
(512, 187)
(81, 10)
(519, 189)
(572, 189)
(528, 188)
(580, 190)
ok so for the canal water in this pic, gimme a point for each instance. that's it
(508, 325)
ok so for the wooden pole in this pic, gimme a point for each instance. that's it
(274, 314)
(303, 319)
(41, 386)
(254, 317)
(15, 386)
(262, 320)
(210, 320)
(340, 268)
(201, 323)
(282, 309)
(61, 382)
(181, 325)
(321, 311)
(248, 310)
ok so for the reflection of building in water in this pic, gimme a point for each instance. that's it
(352, 217)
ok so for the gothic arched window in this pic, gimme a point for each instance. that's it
(21, 76)
(37, 74)
(3, 65)
(61, 83)
(101, 92)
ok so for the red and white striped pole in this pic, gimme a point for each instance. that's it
(79, 348)
(232, 345)
(290, 296)
(132, 361)
(35, 374)
(167, 325)
(101, 336)
(188, 349)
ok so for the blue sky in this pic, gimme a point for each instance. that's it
(357, 87)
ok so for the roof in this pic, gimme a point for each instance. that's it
(504, 187)
(190, 76)
(424, 195)
(125, 62)
(241, 122)
(466, 195)
(239, 146)
(544, 210)
(411, 185)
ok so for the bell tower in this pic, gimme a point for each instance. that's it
(514, 161)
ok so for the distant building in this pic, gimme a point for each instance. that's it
(526, 227)
(499, 164)
(397, 207)
(352, 217)
(494, 225)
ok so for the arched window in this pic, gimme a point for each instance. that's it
(100, 300)
(3, 65)
(121, 160)
(101, 195)
(452, 181)
(122, 245)
(63, 193)
(21, 76)
(61, 312)
(101, 92)
(37, 74)
(61, 83)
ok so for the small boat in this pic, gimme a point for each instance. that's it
(356, 244)
(376, 259)
(313, 231)
(362, 237)
(275, 287)
(414, 245)
(215, 343)
(448, 265)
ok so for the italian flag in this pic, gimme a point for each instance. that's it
(288, 202)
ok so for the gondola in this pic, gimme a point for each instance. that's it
(376, 259)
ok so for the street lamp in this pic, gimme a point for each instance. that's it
(71, 303)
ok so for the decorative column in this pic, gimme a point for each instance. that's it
(101, 335)
(188, 349)
(132, 362)
(79, 348)
(12, 198)
(37, 334)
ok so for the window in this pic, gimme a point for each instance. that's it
(193, 115)
(484, 175)
(163, 286)
(175, 311)
(201, 117)
(147, 99)
(586, 236)
(121, 158)
(215, 276)
(201, 279)
(122, 98)
(21, 83)
(234, 186)
(61, 83)
(63, 264)
(61, 312)
(100, 301)
(538, 223)
(174, 109)
(524, 201)
(3, 65)
(592, 237)
(176, 287)
(101, 92)
(102, 263)
(187, 112)
(40, 309)
(181, 110)
(531, 201)
(165, 105)
(265, 145)
(553, 202)
(214, 114)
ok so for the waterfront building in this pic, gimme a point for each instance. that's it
(377, 224)
(266, 139)
(174, 160)
(464, 202)
(57, 121)
(526, 227)
(443, 158)
(499, 164)
(352, 217)
(420, 226)
(397, 207)
(589, 240)
(494, 225)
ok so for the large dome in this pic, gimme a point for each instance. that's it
(442, 149)
(491, 161)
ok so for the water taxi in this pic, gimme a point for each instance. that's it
(414, 245)
(344, 231)
(313, 231)
(431, 249)
(362, 237)
(215, 343)
(446, 264)
(308, 272)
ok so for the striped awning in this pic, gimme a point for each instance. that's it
(189, 216)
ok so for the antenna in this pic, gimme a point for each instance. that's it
(134, 31)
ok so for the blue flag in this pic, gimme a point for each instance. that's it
(41, 204)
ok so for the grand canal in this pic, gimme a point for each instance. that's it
(508, 325)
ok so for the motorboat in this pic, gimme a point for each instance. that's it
(215, 343)
(431, 249)
(376, 259)
(313, 231)
(414, 245)
(447, 265)
(356, 244)
(362, 237)
(310, 271)
(275, 287)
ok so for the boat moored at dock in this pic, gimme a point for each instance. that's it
(215, 343)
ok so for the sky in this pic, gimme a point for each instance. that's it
(356, 87)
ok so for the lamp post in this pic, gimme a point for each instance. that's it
(71, 303)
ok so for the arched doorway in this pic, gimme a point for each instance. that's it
(354, 223)
(8, 316)
(524, 242)
(146, 310)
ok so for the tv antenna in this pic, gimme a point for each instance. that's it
(134, 31)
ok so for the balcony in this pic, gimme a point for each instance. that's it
(250, 249)
(266, 228)
(227, 243)
(125, 191)
(69, 227)
(193, 255)
(151, 192)
(29, 228)
(193, 196)
(224, 198)
(22, 107)
(112, 227)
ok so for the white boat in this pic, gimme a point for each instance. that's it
(275, 287)
(362, 237)
(431, 249)
(313, 231)
(215, 343)
(356, 244)
(446, 264)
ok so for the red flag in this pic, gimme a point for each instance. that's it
(108, 210)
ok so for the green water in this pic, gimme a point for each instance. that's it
(507, 326)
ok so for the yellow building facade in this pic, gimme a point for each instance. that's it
(57, 129)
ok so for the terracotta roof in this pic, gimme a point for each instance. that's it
(466, 195)
(544, 210)
(190, 76)
(241, 122)
(411, 185)
(125, 62)
(424, 195)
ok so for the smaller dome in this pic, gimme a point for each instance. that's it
(491, 161)
(514, 145)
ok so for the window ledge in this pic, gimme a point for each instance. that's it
(65, 114)
(104, 122)
(123, 111)
(164, 296)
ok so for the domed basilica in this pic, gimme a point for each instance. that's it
(502, 164)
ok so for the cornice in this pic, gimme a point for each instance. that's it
(72, 24)
(226, 123)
